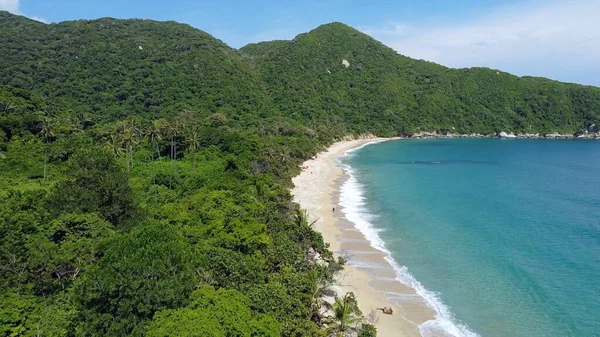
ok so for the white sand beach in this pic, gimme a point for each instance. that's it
(317, 190)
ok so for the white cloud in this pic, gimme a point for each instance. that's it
(14, 6)
(37, 18)
(10, 5)
(543, 39)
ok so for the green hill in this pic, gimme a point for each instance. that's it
(113, 69)
(145, 168)
(117, 68)
(387, 92)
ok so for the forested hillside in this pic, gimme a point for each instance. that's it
(115, 69)
(389, 93)
(145, 168)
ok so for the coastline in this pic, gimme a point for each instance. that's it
(369, 273)
(504, 135)
(330, 185)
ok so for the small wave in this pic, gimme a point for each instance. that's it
(348, 153)
(365, 264)
(353, 207)
(375, 141)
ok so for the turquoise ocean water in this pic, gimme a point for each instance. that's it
(505, 233)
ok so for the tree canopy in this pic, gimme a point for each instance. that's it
(145, 169)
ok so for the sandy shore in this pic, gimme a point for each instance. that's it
(368, 275)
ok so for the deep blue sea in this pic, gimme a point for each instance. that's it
(506, 233)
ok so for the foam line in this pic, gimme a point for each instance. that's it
(353, 206)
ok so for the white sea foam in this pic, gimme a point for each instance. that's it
(374, 141)
(353, 207)
(366, 265)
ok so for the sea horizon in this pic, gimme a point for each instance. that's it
(373, 174)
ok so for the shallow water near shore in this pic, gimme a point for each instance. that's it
(501, 237)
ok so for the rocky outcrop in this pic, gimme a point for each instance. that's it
(558, 136)
(386, 310)
(425, 135)
(506, 135)
(364, 136)
(503, 134)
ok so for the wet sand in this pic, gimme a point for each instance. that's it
(367, 274)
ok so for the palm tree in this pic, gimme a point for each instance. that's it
(192, 143)
(75, 126)
(172, 128)
(317, 293)
(6, 107)
(284, 156)
(83, 120)
(47, 132)
(301, 217)
(128, 139)
(129, 142)
(113, 145)
(175, 127)
(154, 136)
(302, 224)
(270, 154)
(48, 111)
(345, 315)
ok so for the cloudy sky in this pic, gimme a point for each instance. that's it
(555, 39)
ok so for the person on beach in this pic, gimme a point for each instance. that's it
(333, 210)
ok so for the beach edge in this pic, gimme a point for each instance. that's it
(316, 190)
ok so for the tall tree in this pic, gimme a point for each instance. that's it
(6, 107)
(95, 183)
(317, 291)
(153, 135)
(113, 145)
(47, 133)
(174, 128)
(192, 143)
(128, 138)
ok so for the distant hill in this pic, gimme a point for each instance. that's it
(115, 68)
(385, 91)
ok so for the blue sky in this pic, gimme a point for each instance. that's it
(555, 39)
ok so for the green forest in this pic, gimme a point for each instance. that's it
(145, 169)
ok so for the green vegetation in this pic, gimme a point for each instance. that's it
(345, 315)
(214, 313)
(145, 169)
(390, 94)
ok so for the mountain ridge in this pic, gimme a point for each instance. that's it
(414, 87)
(7, 14)
(333, 76)
(337, 25)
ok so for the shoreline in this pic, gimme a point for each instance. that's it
(368, 273)
(503, 135)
